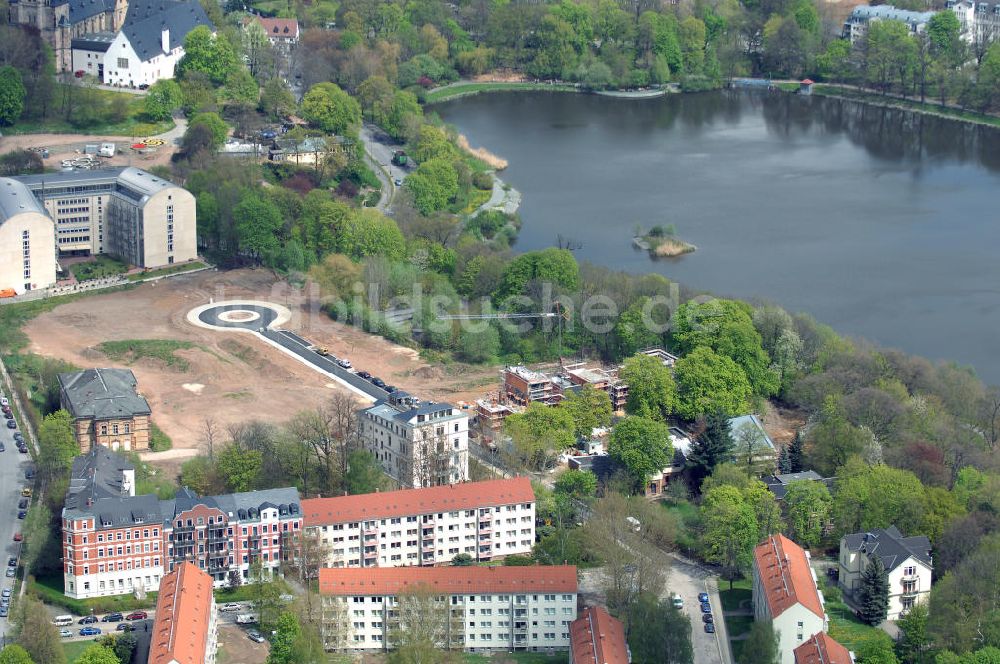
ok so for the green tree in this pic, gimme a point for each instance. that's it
(97, 654)
(463, 560)
(578, 484)
(208, 54)
(913, 637)
(276, 99)
(707, 382)
(945, 33)
(870, 497)
(239, 469)
(765, 508)
(214, 124)
(657, 632)
(807, 508)
(590, 409)
(434, 185)
(36, 633)
(241, 88)
(162, 99)
(632, 332)
(12, 95)
(796, 453)
(331, 109)
(889, 51)
(479, 346)
(555, 266)
(57, 445)
(834, 439)
(283, 641)
(710, 448)
(258, 222)
(761, 645)
(368, 232)
(652, 392)
(364, 473)
(15, 654)
(433, 143)
(877, 650)
(642, 446)
(539, 432)
(730, 531)
(873, 595)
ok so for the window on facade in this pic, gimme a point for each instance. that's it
(123, 63)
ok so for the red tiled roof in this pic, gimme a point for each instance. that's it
(183, 613)
(785, 575)
(447, 580)
(449, 498)
(821, 649)
(807, 81)
(598, 638)
(279, 27)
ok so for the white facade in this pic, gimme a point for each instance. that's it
(909, 581)
(856, 25)
(980, 20)
(418, 444)
(27, 240)
(123, 67)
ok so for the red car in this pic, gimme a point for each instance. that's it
(78, 73)
(137, 615)
(17, 537)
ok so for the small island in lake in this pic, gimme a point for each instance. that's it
(662, 242)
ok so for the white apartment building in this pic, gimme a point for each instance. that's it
(419, 444)
(980, 20)
(478, 609)
(856, 25)
(486, 520)
(907, 562)
(27, 240)
(785, 592)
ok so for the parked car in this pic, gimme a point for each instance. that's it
(3, 448)
(710, 628)
(10, 573)
(230, 606)
(19, 437)
(87, 620)
(29, 474)
(21, 514)
(677, 601)
(398, 182)
(113, 617)
(390, 388)
(22, 504)
(365, 375)
(3, 611)
(703, 598)
(11, 424)
(255, 636)
(90, 631)
(144, 86)
(707, 618)
(26, 492)
(6, 592)
(706, 607)
(137, 615)
(378, 382)
(4, 402)
(18, 537)
(22, 448)
(65, 633)
(124, 627)
(12, 561)
(344, 363)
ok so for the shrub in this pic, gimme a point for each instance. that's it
(482, 180)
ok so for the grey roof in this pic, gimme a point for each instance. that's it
(888, 12)
(891, 546)
(778, 484)
(16, 198)
(97, 474)
(751, 422)
(141, 181)
(102, 394)
(146, 19)
(95, 41)
(81, 10)
(118, 512)
(404, 412)
(242, 506)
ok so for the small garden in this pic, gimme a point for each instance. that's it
(99, 267)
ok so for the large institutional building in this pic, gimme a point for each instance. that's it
(485, 520)
(419, 444)
(116, 542)
(127, 213)
(478, 609)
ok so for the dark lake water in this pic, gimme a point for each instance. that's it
(881, 223)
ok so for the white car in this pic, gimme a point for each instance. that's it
(65, 632)
(231, 606)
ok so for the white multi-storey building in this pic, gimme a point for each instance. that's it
(785, 592)
(419, 444)
(907, 561)
(478, 609)
(431, 526)
(980, 21)
(856, 25)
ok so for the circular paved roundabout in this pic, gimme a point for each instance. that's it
(239, 315)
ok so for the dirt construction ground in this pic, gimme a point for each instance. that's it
(232, 376)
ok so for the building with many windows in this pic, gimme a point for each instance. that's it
(107, 409)
(856, 25)
(785, 592)
(486, 520)
(907, 561)
(419, 444)
(127, 213)
(115, 542)
(27, 240)
(185, 628)
(478, 609)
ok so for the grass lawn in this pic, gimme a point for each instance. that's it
(158, 441)
(133, 125)
(166, 271)
(737, 625)
(846, 628)
(908, 104)
(98, 268)
(740, 594)
(50, 590)
(464, 89)
(74, 649)
(737, 648)
(130, 350)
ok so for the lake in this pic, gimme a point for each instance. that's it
(881, 223)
